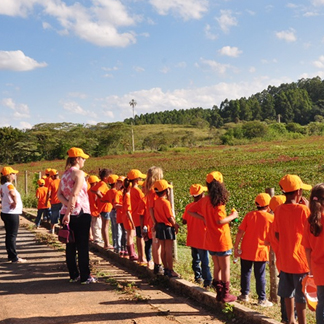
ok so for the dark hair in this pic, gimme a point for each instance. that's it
(126, 185)
(5, 178)
(316, 204)
(70, 162)
(104, 173)
(162, 193)
(217, 192)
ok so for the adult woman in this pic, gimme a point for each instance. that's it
(11, 209)
(72, 193)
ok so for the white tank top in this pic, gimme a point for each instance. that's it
(7, 200)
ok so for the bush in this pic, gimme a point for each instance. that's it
(254, 129)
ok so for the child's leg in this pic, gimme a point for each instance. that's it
(163, 256)
(38, 217)
(205, 267)
(196, 264)
(104, 229)
(301, 313)
(168, 244)
(140, 244)
(246, 269)
(320, 305)
(156, 249)
(260, 279)
(148, 249)
(217, 268)
(113, 222)
(290, 304)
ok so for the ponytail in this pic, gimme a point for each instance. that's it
(316, 205)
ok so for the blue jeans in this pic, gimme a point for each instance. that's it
(80, 225)
(121, 237)
(200, 265)
(148, 249)
(259, 274)
(114, 229)
(320, 305)
(55, 215)
(41, 212)
(11, 223)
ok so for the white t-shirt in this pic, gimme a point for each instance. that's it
(7, 200)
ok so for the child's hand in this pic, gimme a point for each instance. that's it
(234, 214)
(304, 201)
(176, 227)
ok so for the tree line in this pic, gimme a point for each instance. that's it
(299, 106)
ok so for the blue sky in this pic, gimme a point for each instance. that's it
(82, 62)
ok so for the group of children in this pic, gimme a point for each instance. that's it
(293, 230)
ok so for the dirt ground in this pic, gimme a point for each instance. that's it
(39, 292)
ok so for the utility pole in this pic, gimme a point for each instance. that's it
(133, 103)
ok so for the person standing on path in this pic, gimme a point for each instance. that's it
(75, 212)
(11, 209)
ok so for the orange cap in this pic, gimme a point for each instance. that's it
(121, 178)
(112, 178)
(135, 174)
(310, 291)
(262, 199)
(8, 170)
(197, 189)
(161, 185)
(276, 201)
(53, 172)
(93, 179)
(291, 182)
(41, 181)
(215, 175)
(48, 170)
(77, 152)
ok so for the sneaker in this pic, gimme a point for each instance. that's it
(166, 272)
(19, 260)
(90, 280)
(243, 298)
(75, 279)
(199, 281)
(173, 274)
(265, 303)
(160, 270)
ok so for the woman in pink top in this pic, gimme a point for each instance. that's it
(75, 212)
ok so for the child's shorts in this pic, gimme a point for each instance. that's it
(290, 286)
(220, 254)
(164, 232)
(55, 216)
(105, 215)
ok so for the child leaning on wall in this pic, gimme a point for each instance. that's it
(218, 240)
(289, 222)
(251, 235)
(196, 239)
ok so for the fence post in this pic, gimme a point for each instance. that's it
(26, 182)
(175, 246)
(272, 265)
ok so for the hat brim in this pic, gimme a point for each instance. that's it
(306, 187)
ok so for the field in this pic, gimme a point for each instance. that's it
(248, 170)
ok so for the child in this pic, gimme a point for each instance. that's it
(289, 222)
(218, 240)
(153, 174)
(128, 220)
(136, 194)
(109, 197)
(166, 226)
(100, 189)
(56, 205)
(48, 179)
(254, 252)
(95, 229)
(196, 239)
(313, 241)
(118, 205)
(43, 203)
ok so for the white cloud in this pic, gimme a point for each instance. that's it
(109, 113)
(310, 14)
(287, 35)
(318, 2)
(213, 65)
(226, 20)
(138, 69)
(17, 7)
(252, 69)
(77, 95)
(25, 125)
(165, 70)
(181, 65)
(320, 62)
(187, 9)
(18, 111)
(74, 108)
(230, 51)
(18, 61)
(209, 34)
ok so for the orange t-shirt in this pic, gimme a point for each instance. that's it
(127, 206)
(271, 238)
(93, 200)
(256, 225)
(102, 206)
(48, 181)
(110, 196)
(289, 222)
(41, 194)
(147, 220)
(316, 244)
(162, 211)
(218, 237)
(119, 210)
(196, 230)
(136, 195)
(53, 188)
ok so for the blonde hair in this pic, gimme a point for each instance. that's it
(316, 205)
(154, 173)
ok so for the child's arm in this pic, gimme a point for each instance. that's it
(194, 214)
(229, 218)
(174, 224)
(238, 239)
(308, 257)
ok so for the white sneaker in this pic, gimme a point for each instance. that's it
(244, 298)
(265, 303)
(90, 280)
(19, 260)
